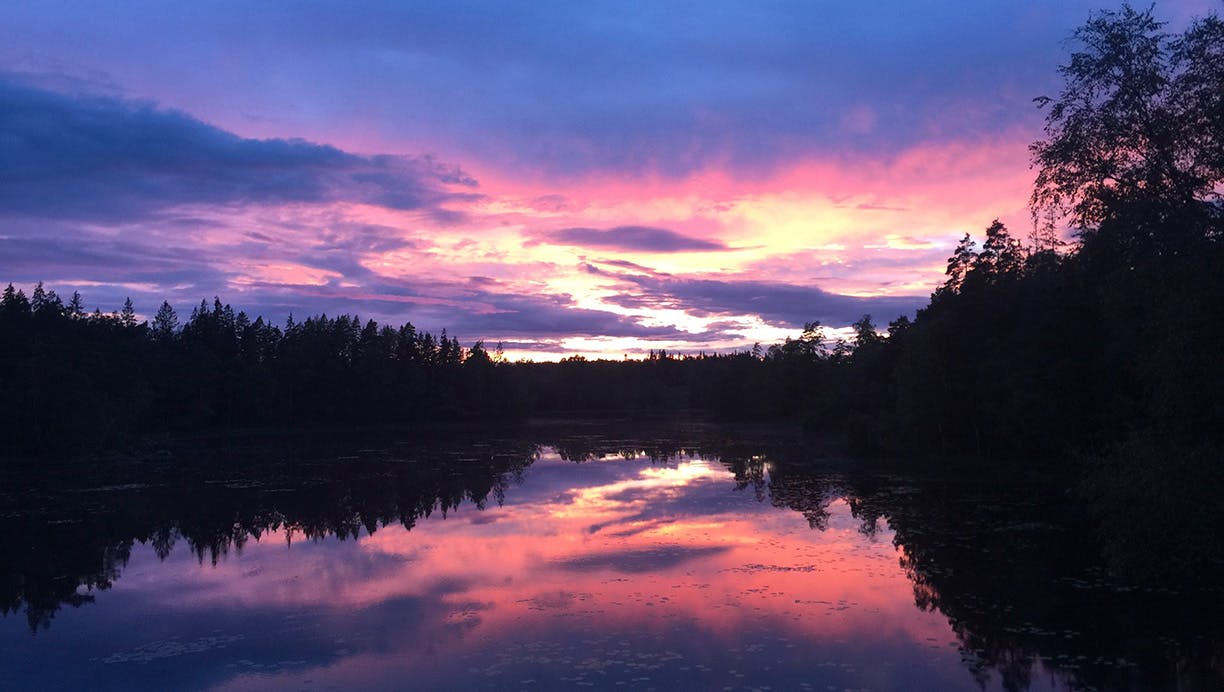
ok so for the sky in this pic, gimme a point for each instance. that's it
(564, 178)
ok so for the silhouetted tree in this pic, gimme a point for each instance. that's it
(76, 309)
(14, 303)
(1002, 257)
(959, 264)
(165, 323)
(1136, 134)
(127, 317)
(865, 333)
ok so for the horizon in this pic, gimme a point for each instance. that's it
(565, 180)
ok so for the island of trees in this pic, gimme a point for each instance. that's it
(1105, 351)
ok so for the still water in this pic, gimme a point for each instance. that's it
(589, 562)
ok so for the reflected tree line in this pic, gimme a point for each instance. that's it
(68, 536)
(1011, 565)
(1011, 559)
(70, 532)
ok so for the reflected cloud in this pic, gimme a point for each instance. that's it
(639, 561)
(665, 521)
(542, 572)
(602, 556)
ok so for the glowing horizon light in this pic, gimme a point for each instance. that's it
(652, 208)
(619, 545)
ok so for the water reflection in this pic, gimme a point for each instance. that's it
(508, 564)
(70, 532)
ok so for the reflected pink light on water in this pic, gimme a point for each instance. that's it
(625, 554)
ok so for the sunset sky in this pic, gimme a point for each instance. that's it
(568, 177)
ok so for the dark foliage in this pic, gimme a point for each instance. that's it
(76, 382)
(62, 544)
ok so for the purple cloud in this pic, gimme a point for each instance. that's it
(788, 305)
(629, 239)
(581, 87)
(101, 159)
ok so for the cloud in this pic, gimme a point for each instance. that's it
(626, 153)
(491, 312)
(623, 264)
(571, 88)
(102, 159)
(628, 239)
(107, 260)
(273, 273)
(640, 561)
(789, 305)
(356, 238)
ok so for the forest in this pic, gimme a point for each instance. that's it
(1104, 351)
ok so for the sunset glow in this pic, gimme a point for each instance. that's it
(730, 178)
(646, 549)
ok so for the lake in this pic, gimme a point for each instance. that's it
(568, 558)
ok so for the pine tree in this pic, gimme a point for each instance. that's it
(127, 317)
(959, 264)
(38, 299)
(76, 307)
(14, 302)
(165, 323)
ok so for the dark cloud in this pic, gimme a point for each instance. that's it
(260, 237)
(468, 307)
(101, 159)
(629, 239)
(544, 346)
(465, 311)
(640, 561)
(778, 303)
(579, 87)
(353, 239)
(108, 269)
(108, 261)
(623, 264)
(492, 313)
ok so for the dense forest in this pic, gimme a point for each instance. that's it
(1105, 350)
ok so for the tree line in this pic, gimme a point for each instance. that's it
(74, 381)
(71, 379)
